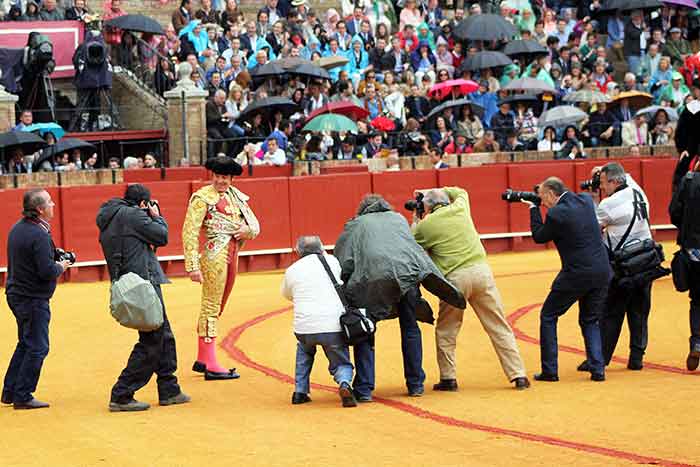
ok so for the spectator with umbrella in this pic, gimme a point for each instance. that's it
(502, 122)
(470, 124)
(112, 35)
(571, 145)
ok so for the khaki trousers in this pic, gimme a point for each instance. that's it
(479, 288)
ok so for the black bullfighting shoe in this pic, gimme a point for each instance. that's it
(215, 376)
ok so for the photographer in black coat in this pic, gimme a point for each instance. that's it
(32, 273)
(685, 215)
(130, 230)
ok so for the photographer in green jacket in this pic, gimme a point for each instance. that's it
(448, 234)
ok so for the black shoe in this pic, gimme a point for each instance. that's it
(597, 376)
(693, 360)
(416, 392)
(546, 377)
(584, 366)
(346, 395)
(30, 404)
(199, 367)
(7, 398)
(300, 398)
(362, 399)
(521, 383)
(446, 385)
(216, 376)
(181, 398)
(129, 406)
(635, 365)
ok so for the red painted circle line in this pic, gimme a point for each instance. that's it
(514, 317)
(230, 345)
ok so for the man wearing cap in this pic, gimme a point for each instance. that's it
(677, 48)
(223, 212)
(502, 122)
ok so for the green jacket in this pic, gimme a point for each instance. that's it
(667, 95)
(449, 236)
(675, 49)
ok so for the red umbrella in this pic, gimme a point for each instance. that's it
(459, 86)
(383, 124)
(345, 108)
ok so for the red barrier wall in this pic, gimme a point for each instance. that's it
(322, 204)
(398, 187)
(79, 206)
(268, 171)
(289, 207)
(186, 174)
(142, 175)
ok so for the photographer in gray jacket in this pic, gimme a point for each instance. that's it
(131, 228)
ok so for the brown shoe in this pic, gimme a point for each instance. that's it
(446, 385)
(693, 360)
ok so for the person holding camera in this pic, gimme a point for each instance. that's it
(447, 233)
(131, 228)
(585, 275)
(32, 271)
(622, 216)
(685, 215)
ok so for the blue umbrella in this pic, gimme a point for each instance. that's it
(43, 128)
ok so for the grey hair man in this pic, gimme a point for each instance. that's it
(448, 234)
(317, 310)
(623, 222)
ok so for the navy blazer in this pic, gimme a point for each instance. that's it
(573, 227)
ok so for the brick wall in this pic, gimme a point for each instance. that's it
(138, 108)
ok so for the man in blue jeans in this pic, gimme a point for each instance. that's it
(31, 282)
(317, 310)
(383, 267)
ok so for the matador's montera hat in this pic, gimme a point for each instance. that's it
(224, 165)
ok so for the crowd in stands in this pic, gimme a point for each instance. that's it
(396, 51)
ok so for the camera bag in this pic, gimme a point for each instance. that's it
(134, 302)
(680, 269)
(639, 261)
(357, 327)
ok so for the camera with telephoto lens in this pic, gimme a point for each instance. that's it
(416, 205)
(593, 184)
(63, 255)
(513, 196)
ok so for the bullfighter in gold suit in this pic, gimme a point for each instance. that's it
(223, 214)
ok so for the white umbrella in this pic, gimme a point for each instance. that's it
(561, 116)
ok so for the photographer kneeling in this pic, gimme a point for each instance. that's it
(448, 234)
(623, 216)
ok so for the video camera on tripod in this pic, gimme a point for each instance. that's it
(25, 72)
(93, 79)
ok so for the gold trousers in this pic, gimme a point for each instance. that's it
(479, 288)
(218, 277)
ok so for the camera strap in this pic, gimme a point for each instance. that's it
(336, 286)
(639, 209)
(119, 256)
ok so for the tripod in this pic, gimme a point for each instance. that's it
(90, 103)
(40, 98)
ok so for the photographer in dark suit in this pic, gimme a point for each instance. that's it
(585, 275)
(32, 273)
(130, 230)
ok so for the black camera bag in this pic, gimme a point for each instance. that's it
(356, 325)
(680, 267)
(640, 261)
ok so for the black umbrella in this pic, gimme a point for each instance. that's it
(64, 145)
(310, 71)
(626, 5)
(290, 63)
(458, 103)
(521, 47)
(138, 23)
(485, 28)
(486, 59)
(269, 106)
(268, 70)
(518, 98)
(28, 142)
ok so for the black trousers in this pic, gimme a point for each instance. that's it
(635, 303)
(694, 305)
(153, 353)
(220, 133)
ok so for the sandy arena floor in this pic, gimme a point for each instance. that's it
(646, 417)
